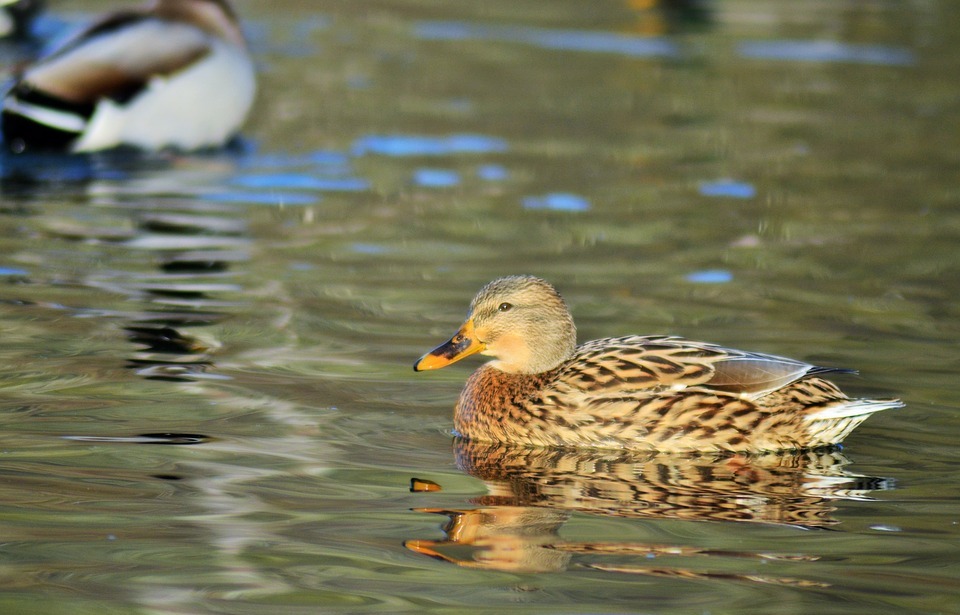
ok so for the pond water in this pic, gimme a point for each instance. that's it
(208, 404)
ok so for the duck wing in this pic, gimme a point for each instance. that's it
(756, 375)
(666, 362)
(116, 58)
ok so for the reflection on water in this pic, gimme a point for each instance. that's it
(147, 438)
(207, 404)
(531, 494)
(569, 40)
(197, 244)
(826, 51)
(415, 145)
(557, 201)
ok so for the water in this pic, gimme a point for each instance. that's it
(208, 404)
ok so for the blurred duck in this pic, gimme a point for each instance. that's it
(16, 17)
(173, 74)
(658, 393)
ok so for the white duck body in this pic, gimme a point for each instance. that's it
(176, 75)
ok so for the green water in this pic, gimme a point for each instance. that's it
(207, 401)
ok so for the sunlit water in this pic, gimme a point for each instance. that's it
(208, 404)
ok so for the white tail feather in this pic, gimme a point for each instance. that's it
(853, 408)
(832, 424)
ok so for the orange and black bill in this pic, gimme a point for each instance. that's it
(461, 345)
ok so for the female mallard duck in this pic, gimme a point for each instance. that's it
(641, 392)
(173, 74)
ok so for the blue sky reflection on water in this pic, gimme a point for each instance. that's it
(778, 179)
(436, 178)
(557, 201)
(566, 40)
(826, 51)
(302, 181)
(822, 50)
(728, 188)
(399, 145)
(262, 198)
(710, 276)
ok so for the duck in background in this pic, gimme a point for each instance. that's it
(174, 74)
(16, 17)
(657, 393)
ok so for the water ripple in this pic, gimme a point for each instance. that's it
(710, 276)
(557, 201)
(567, 40)
(436, 178)
(827, 51)
(303, 182)
(729, 188)
(416, 145)
(493, 173)
(265, 198)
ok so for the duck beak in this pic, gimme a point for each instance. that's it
(463, 344)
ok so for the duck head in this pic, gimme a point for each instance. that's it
(520, 321)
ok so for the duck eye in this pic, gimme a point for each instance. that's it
(504, 307)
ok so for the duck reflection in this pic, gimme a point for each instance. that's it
(196, 243)
(156, 210)
(532, 493)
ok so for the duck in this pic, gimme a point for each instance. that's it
(655, 393)
(17, 16)
(172, 74)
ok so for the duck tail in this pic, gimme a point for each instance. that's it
(819, 369)
(834, 422)
(851, 408)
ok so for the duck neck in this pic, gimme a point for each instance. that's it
(536, 354)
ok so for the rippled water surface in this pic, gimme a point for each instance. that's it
(207, 402)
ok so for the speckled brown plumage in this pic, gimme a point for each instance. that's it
(640, 392)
